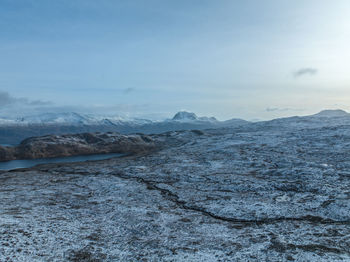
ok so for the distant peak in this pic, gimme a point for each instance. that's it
(332, 113)
(183, 115)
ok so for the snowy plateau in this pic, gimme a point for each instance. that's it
(268, 191)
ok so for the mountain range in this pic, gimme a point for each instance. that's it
(12, 131)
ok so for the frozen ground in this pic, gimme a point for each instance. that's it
(240, 194)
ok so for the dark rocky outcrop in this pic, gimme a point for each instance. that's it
(6, 153)
(77, 144)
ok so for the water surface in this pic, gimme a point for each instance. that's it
(13, 164)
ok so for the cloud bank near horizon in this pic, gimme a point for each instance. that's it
(6, 100)
(307, 71)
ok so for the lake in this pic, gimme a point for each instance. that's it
(13, 164)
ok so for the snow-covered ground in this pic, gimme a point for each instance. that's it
(254, 193)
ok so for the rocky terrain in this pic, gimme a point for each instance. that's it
(242, 194)
(77, 144)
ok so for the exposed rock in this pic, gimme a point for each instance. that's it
(6, 153)
(183, 115)
(78, 144)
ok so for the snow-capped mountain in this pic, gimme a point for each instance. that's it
(184, 116)
(325, 118)
(6, 122)
(12, 131)
(72, 118)
(55, 118)
(332, 113)
(180, 118)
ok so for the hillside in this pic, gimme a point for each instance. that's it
(238, 194)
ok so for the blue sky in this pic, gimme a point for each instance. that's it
(151, 58)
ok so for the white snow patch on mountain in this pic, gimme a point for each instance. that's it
(184, 116)
(332, 113)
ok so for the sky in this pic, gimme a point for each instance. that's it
(251, 59)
